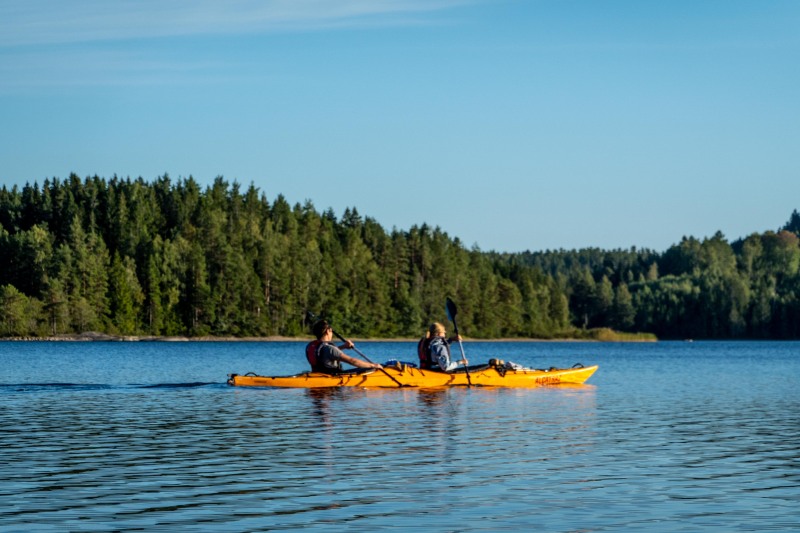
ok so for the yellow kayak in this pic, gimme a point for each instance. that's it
(401, 375)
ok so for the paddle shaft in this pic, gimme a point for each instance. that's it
(354, 346)
(461, 347)
(451, 313)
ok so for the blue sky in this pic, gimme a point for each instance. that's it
(511, 124)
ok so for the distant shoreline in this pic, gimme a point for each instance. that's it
(104, 337)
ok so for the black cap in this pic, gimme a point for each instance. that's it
(320, 327)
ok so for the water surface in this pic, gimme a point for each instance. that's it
(147, 436)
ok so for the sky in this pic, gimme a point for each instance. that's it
(512, 125)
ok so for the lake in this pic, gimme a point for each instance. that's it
(668, 436)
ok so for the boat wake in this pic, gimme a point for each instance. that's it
(44, 387)
(179, 385)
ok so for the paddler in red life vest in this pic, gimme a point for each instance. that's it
(434, 350)
(326, 357)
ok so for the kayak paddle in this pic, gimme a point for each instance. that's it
(451, 316)
(312, 317)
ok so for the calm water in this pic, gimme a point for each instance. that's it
(146, 436)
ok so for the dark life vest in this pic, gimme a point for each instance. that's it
(424, 353)
(315, 359)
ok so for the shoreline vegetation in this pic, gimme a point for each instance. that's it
(597, 335)
(169, 259)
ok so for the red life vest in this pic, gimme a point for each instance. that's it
(312, 350)
(317, 365)
(424, 353)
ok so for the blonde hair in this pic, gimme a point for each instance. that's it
(435, 330)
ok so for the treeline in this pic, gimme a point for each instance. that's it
(699, 289)
(132, 257)
(126, 256)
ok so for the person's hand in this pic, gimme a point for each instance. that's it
(348, 344)
(456, 338)
(464, 362)
(376, 365)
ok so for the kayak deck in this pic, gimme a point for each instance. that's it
(400, 375)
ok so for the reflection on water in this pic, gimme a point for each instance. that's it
(172, 449)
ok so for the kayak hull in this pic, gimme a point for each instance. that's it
(406, 376)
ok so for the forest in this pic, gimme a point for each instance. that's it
(168, 258)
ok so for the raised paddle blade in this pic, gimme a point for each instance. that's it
(452, 311)
(451, 316)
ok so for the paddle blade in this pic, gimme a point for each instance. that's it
(451, 310)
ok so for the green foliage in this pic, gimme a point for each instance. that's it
(169, 258)
(706, 288)
(19, 314)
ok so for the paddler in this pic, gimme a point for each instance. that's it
(434, 349)
(324, 356)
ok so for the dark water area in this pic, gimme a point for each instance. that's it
(670, 436)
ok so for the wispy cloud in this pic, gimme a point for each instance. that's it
(42, 22)
(80, 68)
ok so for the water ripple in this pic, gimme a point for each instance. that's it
(199, 455)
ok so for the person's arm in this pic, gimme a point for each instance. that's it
(455, 364)
(464, 362)
(338, 354)
(454, 338)
(348, 344)
(358, 363)
(441, 353)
